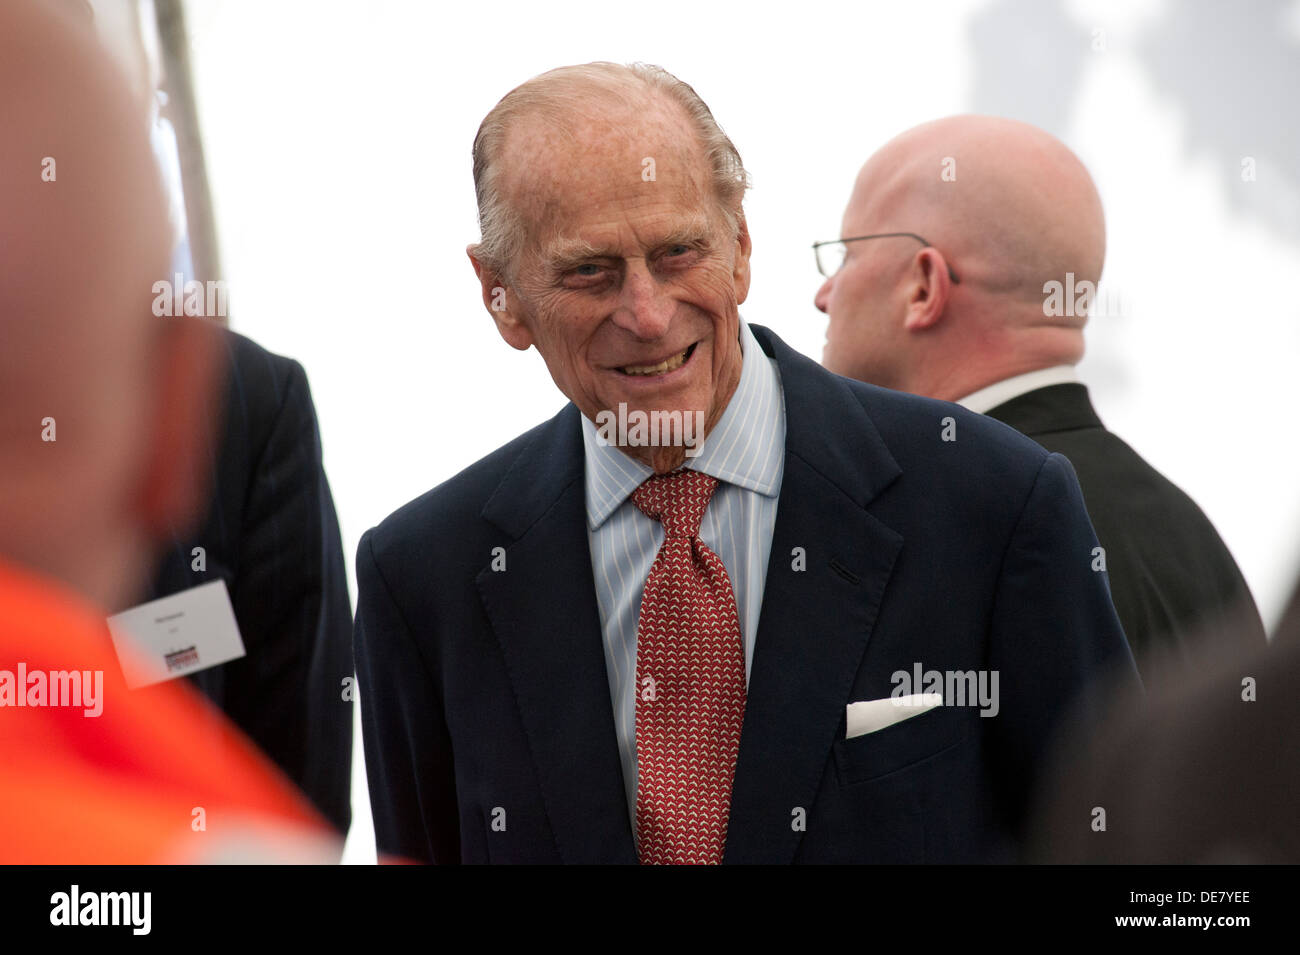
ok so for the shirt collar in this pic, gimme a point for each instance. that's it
(746, 448)
(986, 399)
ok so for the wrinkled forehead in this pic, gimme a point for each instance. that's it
(564, 177)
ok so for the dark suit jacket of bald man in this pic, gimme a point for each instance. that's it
(1171, 575)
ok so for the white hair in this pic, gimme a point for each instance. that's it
(560, 94)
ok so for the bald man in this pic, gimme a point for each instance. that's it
(940, 285)
(104, 422)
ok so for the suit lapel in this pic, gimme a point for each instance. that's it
(813, 629)
(542, 608)
(815, 622)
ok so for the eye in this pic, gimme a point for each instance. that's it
(588, 276)
(679, 255)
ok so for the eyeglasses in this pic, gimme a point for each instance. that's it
(830, 254)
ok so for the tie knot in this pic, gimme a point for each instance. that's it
(677, 500)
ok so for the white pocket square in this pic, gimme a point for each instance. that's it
(872, 715)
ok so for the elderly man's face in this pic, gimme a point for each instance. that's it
(629, 285)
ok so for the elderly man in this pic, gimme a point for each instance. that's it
(104, 420)
(612, 641)
(991, 316)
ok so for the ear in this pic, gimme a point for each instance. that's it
(740, 270)
(187, 398)
(929, 286)
(501, 302)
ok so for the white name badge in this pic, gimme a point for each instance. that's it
(175, 635)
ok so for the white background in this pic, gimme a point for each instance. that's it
(338, 137)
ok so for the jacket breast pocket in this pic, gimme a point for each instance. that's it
(901, 745)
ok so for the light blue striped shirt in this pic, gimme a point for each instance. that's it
(746, 453)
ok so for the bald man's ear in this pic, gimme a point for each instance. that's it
(740, 270)
(928, 288)
(501, 303)
(187, 405)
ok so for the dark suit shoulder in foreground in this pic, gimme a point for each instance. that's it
(931, 538)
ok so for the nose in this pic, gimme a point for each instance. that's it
(823, 296)
(645, 308)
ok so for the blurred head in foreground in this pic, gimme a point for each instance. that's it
(102, 405)
(104, 429)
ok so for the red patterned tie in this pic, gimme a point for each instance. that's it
(690, 678)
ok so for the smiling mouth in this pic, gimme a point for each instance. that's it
(665, 366)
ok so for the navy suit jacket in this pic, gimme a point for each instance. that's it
(486, 713)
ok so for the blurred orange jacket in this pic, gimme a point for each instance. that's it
(158, 776)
